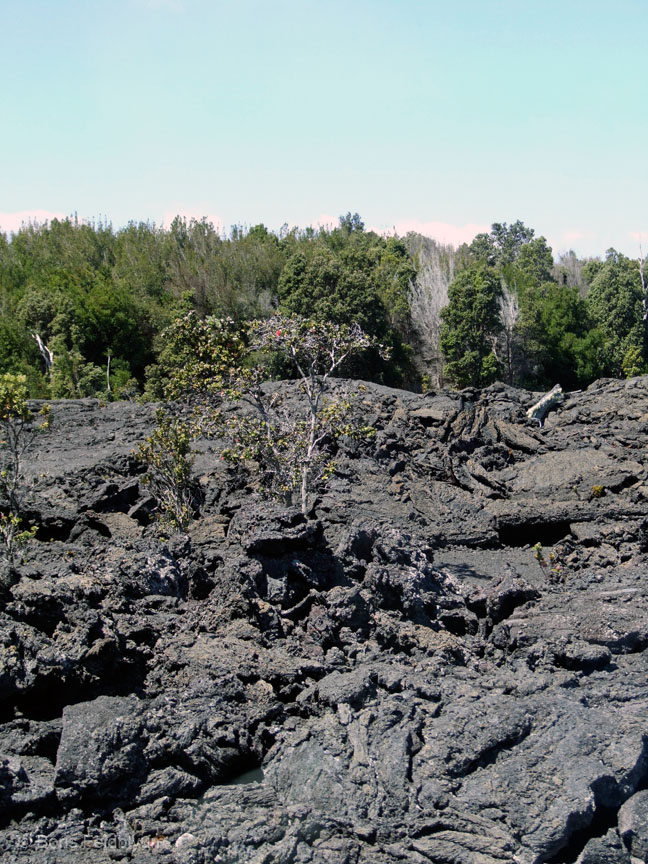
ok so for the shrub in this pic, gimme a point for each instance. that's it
(18, 431)
(13, 536)
(169, 462)
(220, 366)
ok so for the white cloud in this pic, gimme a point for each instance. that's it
(324, 220)
(572, 236)
(12, 222)
(442, 232)
(191, 211)
(584, 243)
(640, 237)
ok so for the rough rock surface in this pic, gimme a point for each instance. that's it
(445, 663)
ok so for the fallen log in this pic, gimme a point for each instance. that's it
(541, 408)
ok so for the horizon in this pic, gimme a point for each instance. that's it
(419, 116)
(466, 236)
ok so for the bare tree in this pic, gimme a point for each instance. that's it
(428, 296)
(642, 274)
(568, 270)
(509, 309)
(45, 351)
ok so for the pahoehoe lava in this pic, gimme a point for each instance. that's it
(445, 662)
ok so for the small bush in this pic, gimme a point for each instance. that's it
(169, 475)
(287, 444)
(18, 431)
(13, 536)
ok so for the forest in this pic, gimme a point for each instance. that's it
(85, 308)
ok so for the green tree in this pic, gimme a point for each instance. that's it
(16, 437)
(524, 263)
(351, 223)
(535, 260)
(194, 261)
(502, 246)
(58, 281)
(141, 261)
(509, 240)
(471, 326)
(329, 287)
(349, 276)
(561, 345)
(615, 302)
(72, 376)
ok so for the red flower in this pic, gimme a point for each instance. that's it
(278, 332)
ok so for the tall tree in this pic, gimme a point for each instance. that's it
(428, 295)
(616, 303)
(524, 263)
(509, 312)
(535, 260)
(349, 276)
(561, 344)
(471, 326)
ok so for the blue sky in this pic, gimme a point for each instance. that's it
(420, 115)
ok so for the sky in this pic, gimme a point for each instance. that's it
(438, 117)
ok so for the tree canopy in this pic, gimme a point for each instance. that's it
(99, 300)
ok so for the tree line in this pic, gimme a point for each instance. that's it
(85, 308)
(516, 314)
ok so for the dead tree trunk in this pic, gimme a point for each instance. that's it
(549, 400)
(46, 354)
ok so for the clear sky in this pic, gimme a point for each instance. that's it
(435, 116)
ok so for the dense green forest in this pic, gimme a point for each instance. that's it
(84, 307)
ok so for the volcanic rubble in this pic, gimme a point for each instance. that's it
(444, 662)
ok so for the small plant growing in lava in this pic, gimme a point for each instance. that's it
(169, 470)
(225, 372)
(18, 431)
(14, 536)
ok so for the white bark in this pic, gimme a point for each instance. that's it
(428, 296)
(509, 313)
(543, 406)
(642, 274)
(47, 355)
